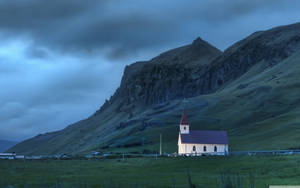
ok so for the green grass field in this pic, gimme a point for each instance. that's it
(151, 172)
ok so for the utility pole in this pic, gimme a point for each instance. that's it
(160, 145)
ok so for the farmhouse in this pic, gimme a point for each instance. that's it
(196, 142)
(7, 155)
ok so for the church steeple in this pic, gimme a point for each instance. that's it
(184, 125)
(184, 120)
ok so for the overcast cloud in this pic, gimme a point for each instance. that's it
(60, 59)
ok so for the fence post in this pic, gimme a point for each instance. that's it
(123, 156)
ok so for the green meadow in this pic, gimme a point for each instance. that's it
(208, 172)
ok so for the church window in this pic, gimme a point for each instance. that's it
(204, 148)
(215, 149)
(184, 128)
(194, 148)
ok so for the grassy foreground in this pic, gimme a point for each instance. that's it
(149, 172)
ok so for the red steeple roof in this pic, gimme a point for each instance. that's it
(184, 120)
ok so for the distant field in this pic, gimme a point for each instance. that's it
(149, 172)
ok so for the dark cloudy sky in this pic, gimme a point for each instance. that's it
(60, 59)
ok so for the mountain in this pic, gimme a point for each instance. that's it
(169, 76)
(251, 90)
(143, 84)
(5, 145)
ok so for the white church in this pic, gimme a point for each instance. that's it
(198, 143)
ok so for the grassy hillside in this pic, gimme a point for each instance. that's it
(251, 91)
(259, 110)
(163, 172)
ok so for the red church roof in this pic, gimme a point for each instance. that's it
(184, 120)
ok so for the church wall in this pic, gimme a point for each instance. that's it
(188, 149)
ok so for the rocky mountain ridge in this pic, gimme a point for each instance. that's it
(166, 77)
(150, 92)
(200, 68)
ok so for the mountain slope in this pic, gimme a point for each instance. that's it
(143, 84)
(5, 145)
(251, 90)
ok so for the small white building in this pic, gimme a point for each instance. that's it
(19, 157)
(194, 143)
(7, 156)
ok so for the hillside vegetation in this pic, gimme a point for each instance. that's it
(251, 90)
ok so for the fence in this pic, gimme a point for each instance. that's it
(265, 152)
(123, 156)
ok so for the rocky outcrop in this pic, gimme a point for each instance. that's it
(171, 75)
(271, 46)
(184, 72)
(200, 68)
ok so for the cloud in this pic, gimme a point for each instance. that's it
(121, 29)
(37, 52)
(40, 95)
(60, 59)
